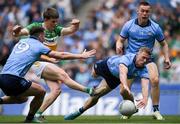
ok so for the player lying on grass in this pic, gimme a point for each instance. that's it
(24, 54)
(116, 70)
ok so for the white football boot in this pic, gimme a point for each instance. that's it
(158, 116)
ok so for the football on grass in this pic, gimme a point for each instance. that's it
(127, 108)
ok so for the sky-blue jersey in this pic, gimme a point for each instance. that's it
(139, 36)
(129, 61)
(24, 54)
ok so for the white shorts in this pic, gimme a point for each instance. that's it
(38, 68)
(35, 72)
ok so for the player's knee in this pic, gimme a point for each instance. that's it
(41, 92)
(63, 76)
(21, 100)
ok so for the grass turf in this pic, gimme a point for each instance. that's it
(95, 119)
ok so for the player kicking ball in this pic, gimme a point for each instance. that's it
(24, 54)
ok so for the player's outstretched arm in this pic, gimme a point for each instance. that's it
(19, 31)
(123, 70)
(72, 28)
(67, 55)
(47, 59)
(143, 102)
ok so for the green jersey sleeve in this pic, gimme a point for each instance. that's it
(34, 24)
(58, 30)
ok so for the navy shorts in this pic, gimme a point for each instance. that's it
(102, 69)
(13, 85)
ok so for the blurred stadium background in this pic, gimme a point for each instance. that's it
(101, 22)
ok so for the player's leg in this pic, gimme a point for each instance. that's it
(100, 91)
(155, 91)
(12, 100)
(38, 92)
(34, 74)
(53, 72)
(50, 98)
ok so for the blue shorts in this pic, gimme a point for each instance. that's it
(13, 85)
(102, 69)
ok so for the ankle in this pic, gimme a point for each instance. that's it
(38, 113)
(87, 89)
(30, 117)
(155, 108)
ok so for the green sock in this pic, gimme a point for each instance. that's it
(87, 89)
(39, 113)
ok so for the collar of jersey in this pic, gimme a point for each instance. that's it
(34, 37)
(148, 23)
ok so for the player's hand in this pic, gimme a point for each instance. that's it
(167, 64)
(55, 61)
(119, 50)
(88, 54)
(16, 30)
(141, 103)
(75, 22)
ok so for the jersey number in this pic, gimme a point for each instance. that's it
(21, 47)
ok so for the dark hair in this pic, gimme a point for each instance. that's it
(146, 50)
(144, 3)
(50, 13)
(35, 31)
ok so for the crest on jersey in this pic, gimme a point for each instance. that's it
(150, 33)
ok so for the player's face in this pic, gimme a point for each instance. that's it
(41, 37)
(51, 23)
(144, 12)
(141, 59)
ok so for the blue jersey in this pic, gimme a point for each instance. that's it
(139, 36)
(129, 61)
(24, 54)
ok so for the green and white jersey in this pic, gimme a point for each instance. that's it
(51, 37)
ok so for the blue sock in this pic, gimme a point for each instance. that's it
(81, 110)
(155, 108)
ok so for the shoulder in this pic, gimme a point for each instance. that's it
(34, 24)
(58, 28)
(127, 58)
(130, 22)
(129, 55)
(154, 24)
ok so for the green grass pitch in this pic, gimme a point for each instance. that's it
(96, 119)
